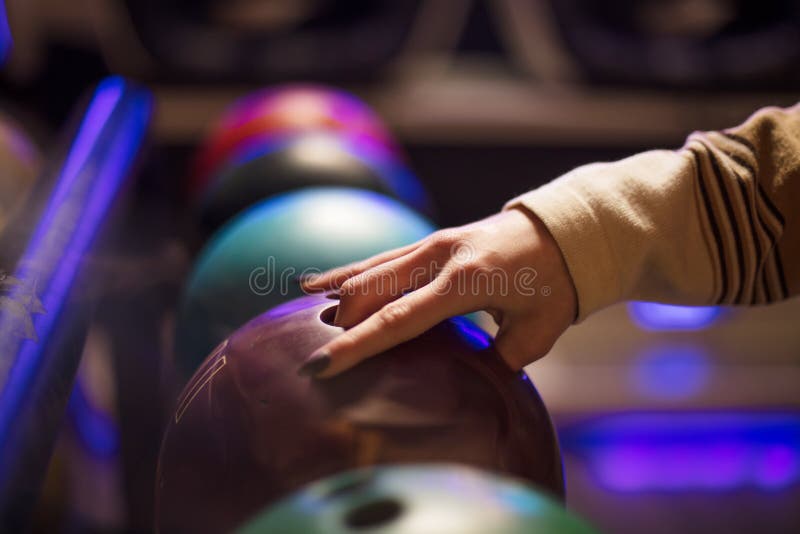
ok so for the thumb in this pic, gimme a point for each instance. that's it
(521, 342)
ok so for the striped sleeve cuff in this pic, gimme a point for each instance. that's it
(743, 224)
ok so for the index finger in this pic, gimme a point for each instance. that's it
(334, 278)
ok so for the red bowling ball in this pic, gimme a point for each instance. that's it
(247, 429)
(283, 111)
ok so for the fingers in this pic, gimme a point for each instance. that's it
(366, 293)
(334, 278)
(396, 322)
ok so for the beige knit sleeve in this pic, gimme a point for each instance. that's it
(716, 222)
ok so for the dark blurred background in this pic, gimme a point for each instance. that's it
(670, 421)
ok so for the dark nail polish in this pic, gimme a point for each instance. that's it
(315, 365)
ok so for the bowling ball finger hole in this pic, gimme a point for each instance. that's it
(328, 315)
(374, 513)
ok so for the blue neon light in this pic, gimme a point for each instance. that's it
(689, 451)
(97, 163)
(6, 41)
(471, 334)
(671, 372)
(655, 316)
(96, 429)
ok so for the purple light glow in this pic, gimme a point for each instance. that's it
(673, 468)
(655, 317)
(288, 308)
(98, 161)
(6, 41)
(255, 147)
(671, 372)
(471, 334)
(689, 451)
(95, 428)
(779, 467)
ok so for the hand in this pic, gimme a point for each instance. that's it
(507, 264)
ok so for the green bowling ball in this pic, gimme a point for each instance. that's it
(417, 499)
(250, 264)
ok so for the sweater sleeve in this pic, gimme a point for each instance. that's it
(716, 222)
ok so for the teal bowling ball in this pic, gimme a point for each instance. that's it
(251, 264)
(417, 499)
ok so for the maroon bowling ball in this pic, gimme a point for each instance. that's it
(248, 429)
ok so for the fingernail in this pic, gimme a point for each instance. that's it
(315, 364)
